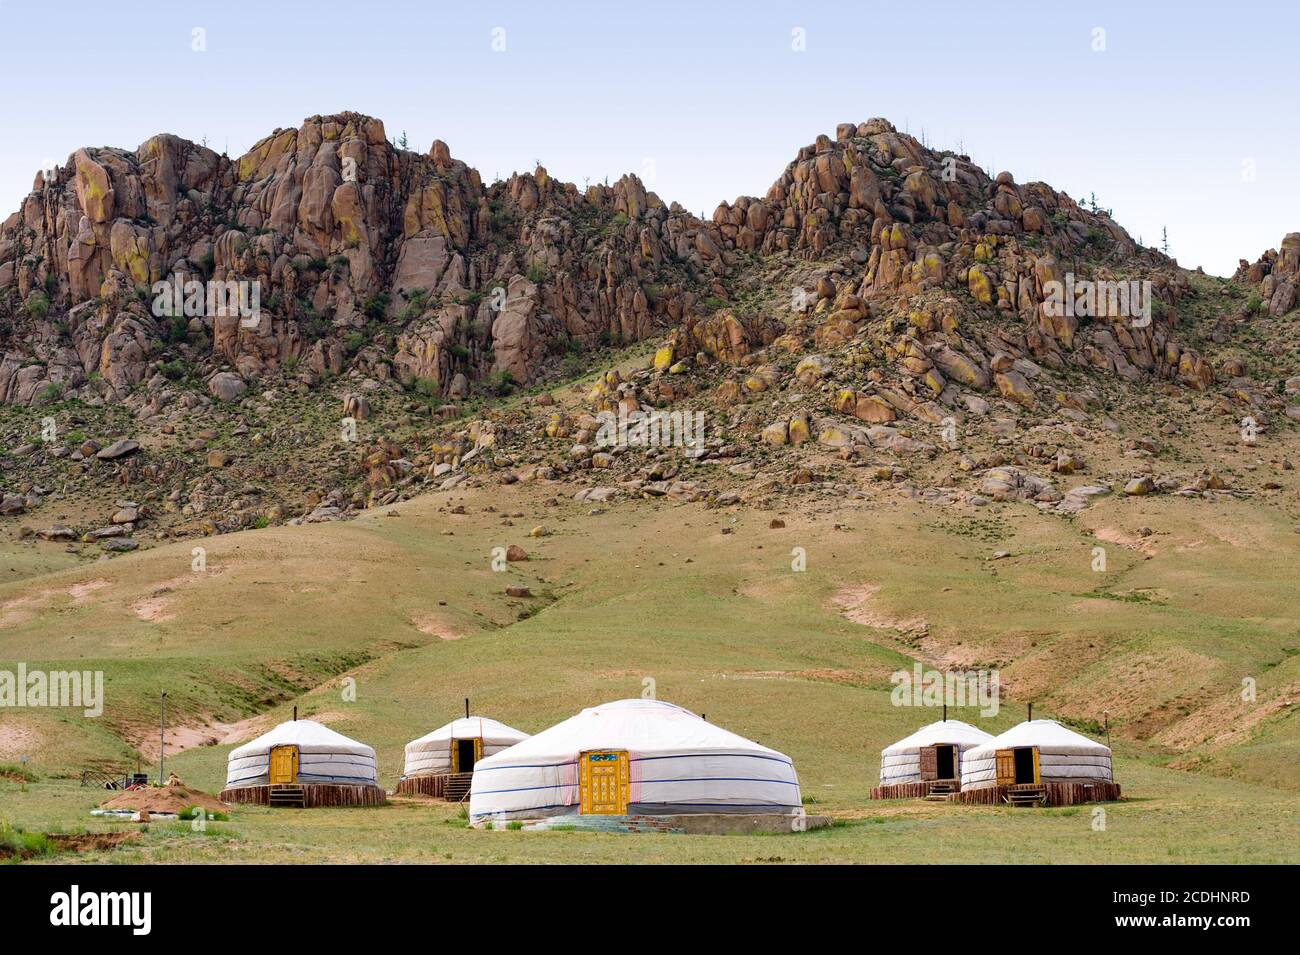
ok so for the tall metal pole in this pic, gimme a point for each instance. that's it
(162, 735)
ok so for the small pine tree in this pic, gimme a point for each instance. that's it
(1164, 239)
(402, 142)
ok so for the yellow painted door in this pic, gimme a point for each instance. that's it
(1006, 766)
(284, 764)
(604, 783)
(1038, 775)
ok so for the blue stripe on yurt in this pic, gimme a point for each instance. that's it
(642, 759)
(488, 769)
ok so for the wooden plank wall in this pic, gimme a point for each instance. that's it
(1058, 794)
(901, 791)
(314, 794)
(435, 786)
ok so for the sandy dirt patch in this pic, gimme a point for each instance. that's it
(435, 627)
(1229, 720)
(1113, 535)
(17, 740)
(24, 607)
(79, 592)
(214, 733)
(154, 608)
(858, 603)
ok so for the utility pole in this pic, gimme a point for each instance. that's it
(162, 735)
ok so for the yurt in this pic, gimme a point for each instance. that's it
(441, 763)
(634, 758)
(1038, 762)
(928, 761)
(302, 763)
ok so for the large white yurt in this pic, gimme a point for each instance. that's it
(633, 757)
(932, 755)
(303, 757)
(453, 750)
(1033, 753)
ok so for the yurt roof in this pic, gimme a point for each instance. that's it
(1045, 734)
(469, 727)
(642, 726)
(941, 731)
(307, 735)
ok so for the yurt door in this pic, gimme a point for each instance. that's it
(603, 783)
(1018, 766)
(465, 753)
(930, 763)
(284, 764)
(945, 762)
(1027, 765)
(1006, 766)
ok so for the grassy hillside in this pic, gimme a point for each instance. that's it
(704, 602)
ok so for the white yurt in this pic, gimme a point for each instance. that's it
(633, 757)
(459, 745)
(303, 755)
(453, 750)
(1033, 753)
(933, 753)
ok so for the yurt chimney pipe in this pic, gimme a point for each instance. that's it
(945, 712)
(467, 707)
(1031, 712)
(295, 714)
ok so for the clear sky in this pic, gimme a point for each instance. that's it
(1186, 120)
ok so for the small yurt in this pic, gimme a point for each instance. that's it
(302, 763)
(928, 761)
(1043, 760)
(441, 763)
(633, 758)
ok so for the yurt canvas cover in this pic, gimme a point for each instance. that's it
(431, 754)
(324, 756)
(1064, 756)
(901, 762)
(675, 762)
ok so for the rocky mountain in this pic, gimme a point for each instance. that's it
(408, 266)
(881, 298)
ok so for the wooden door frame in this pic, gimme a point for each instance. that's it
(455, 752)
(1009, 753)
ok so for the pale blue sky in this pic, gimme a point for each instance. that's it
(709, 97)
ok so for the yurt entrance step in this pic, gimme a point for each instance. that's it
(941, 790)
(457, 787)
(1027, 796)
(288, 796)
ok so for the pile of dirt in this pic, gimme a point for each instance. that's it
(164, 799)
